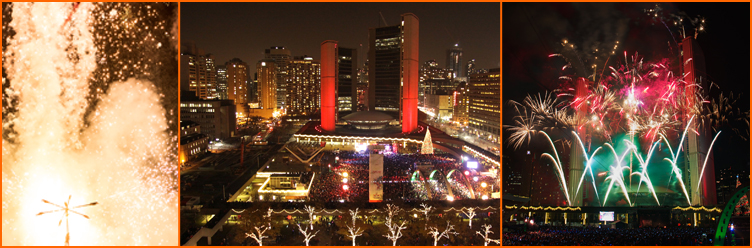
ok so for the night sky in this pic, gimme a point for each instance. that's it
(244, 30)
(533, 31)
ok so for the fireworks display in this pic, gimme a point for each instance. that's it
(89, 100)
(626, 113)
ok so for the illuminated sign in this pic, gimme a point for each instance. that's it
(606, 216)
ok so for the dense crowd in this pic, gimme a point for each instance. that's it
(399, 181)
(555, 236)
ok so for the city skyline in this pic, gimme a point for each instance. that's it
(442, 27)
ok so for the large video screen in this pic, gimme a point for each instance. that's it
(606, 216)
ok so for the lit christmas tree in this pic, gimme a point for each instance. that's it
(427, 143)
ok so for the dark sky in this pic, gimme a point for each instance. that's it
(244, 30)
(532, 31)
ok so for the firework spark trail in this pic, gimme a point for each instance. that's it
(675, 169)
(616, 174)
(706, 159)
(644, 177)
(587, 166)
(558, 166)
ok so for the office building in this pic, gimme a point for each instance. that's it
(454, 61)
(253, 87)
(192, 142)
(470, 68)
(216, 117)
(461, 104)
(267, 83)
(347, 83)
(362, 90)
(485, 102)
(441, 105)
(303, 86)
(222, 82)
(281, 56)
(434, 80)
(237, 84)
(393, 71)
(202, 75)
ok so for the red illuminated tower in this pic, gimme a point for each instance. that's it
(698, 144)
(576, 157)
(410, 74)
(328, 81)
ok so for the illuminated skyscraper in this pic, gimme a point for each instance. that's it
(202, 75)
(347, 83)
(470, 68)
(267, 83)
(485, 102)
(461, 104)
(237, 83)
(434, 80)
(303, 86)
(222, 82)
(454, 61)
(281, 56)
(393, 71)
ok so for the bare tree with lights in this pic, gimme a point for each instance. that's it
(470, 215)
(307, 234)
(259, 234)
(486, 231)
(310, 210)
(395, 231)
(354, 231)
(434, 232)
(426, 210)
(268, 216)
(260, 230)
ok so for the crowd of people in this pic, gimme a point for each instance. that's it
(329, 187)
(570, 236)
(400, 181)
